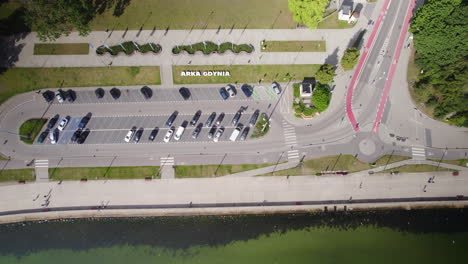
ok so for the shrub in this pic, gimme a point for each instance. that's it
(326, 73)
(129, 48)
(350, 58)
(209, 47)
(321, 97)
(296, 89)
(309, 111)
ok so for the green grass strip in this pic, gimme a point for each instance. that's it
(103, 173)
(294, 46)
(31, 128)
(17, 175)
(61, 49)
(206, 171)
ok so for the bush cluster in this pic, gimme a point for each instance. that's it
(129, 48)
(210, 47)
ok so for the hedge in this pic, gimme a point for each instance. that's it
(129, 48)
(210, 47)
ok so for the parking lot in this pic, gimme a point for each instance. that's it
(133, 95)
(112, 129)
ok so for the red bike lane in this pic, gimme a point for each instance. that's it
(391, 73)
(362, 60)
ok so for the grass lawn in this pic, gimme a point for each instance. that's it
(262, 127)
(17, 175)
(459, 162)
(20, 80)
(389, 159)
(61, 49)
(3, 157)
(245, 73)
(295, 46)
(206, 171)
(31, 128)
(312, 166)
(197, 14)
(103, 173)
(332, 22)
(416, 168)
(412, 77)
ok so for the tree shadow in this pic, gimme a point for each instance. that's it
(15, 23)
(120, 7)
(332, 58)
(10, 51)
(356, 40)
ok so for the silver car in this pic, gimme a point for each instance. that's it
(276, 88)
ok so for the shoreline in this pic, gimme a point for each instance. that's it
(219, 211)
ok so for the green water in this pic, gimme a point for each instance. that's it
(357, 238)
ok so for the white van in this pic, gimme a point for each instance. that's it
(235, 134)
(179, 133)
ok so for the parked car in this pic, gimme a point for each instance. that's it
(70, 95)
(48, 96)
(153, 134)
(210, 120)
(220, 119)
(185, 92)
(244, 134)
(171, 119)
(53, 121)
(43, 136)
(169, 134)
(76, 135)
(178, 134)
(59, 96)
(146, 92)
(53, 136)
(115, 93)
(84, 121)
(236, 118)
(276, 88)
(247, 89)
(83, 136)
(99, 93)
(253, 119)
(223, 93)
(236, 132)
(137, 136)
(63, 123)
(218, 134)
(212, 131)
(195, 118)
(231, 90)
(130, 134)
(197, 130)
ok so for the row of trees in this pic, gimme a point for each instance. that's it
(440, 30)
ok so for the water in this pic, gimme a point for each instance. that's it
(417, 236)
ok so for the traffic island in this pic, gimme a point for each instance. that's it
(208, 47)
(29, 130)
(262, 127)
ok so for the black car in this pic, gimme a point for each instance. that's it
(171, 119)
(70, 96)
(115, 93)
(244, 134)
(223, 93)
(84, 121)
(212, 131)
(43, 136)
(99, 93)
(153, 134)
(48, 96)
(83, 136)
(76, 135)
(146, 92)
(236, 118)
(220, 119)
(185, 92)
(53, 121)
(197, 130)
(138, 134)
(210, 120)
(195, 118)
(253, 119)
(247, 89)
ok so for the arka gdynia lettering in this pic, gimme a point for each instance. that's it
(205, 73)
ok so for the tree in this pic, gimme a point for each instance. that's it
(326, 73)
(53, 18)
(308, 12)
(350, 58)
(321, 97)
(440, 35)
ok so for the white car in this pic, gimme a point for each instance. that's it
(231, 91)
(63, 123)
(179, 133)
(168, 135)
(58, 95)
(52, 138)
(218, 134)
(129, 135)
(276, 88)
